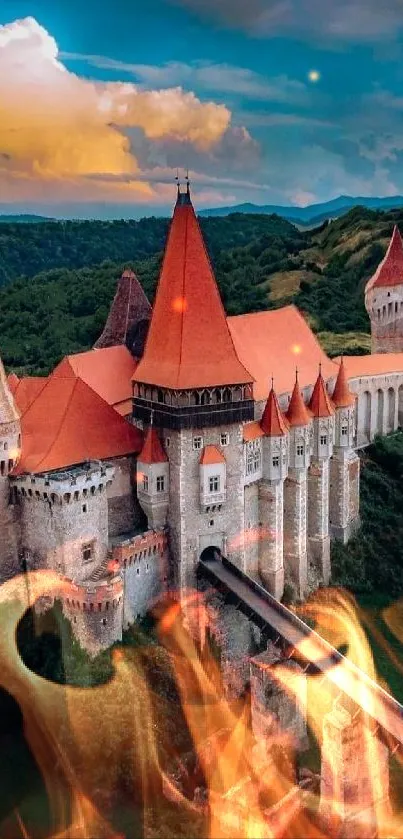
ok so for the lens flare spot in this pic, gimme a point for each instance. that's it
(179, 304)
(314, 76)
(296, 349)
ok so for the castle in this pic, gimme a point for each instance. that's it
(185, 431)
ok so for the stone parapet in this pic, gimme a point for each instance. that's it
(139, 546)
(74, 484)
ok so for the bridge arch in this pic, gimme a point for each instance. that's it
(391, 409)
(400, 407)
(364, 416)
(380, 410)
(211, 552)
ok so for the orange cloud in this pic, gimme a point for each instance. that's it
(57, 128)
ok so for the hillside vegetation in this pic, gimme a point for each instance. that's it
(57, 279)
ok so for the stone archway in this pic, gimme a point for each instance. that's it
(364, 418)
(211, 552)
(379, 412)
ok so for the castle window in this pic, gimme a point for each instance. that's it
(147, 567)
(104, 621)
(224, 439)
(5, 446)
(88, 551)
(145, 483)
(138, 570)
(160, 483)
(211, 522)
(167, 442)
(253, 457)
(84, 508)
(300, 450)
(396, 307)
(214, 483)
(323, 439)
(197, 443)
(344, 430)
(276, 461)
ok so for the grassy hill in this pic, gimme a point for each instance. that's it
(57, 279)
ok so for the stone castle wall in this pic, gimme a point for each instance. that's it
(385, 309)
(124, 511)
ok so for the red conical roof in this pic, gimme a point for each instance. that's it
(152, 451)
(320, 404)
(297, 413)
(342, 395)
(390, 270)
(273, 423)
(189, 344)
(129, 307)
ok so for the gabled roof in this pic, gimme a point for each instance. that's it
(320, 403)
(273, 422)
(152, 451)
(188, 344)
(129, 307)
(297, 413)
(276, 342)
(68, 423)
(211, 454)
(107, 371)
(26, 390)
(376, 364)
(8, 410)
(390, 270)
(342, 395)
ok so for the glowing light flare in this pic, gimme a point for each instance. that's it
(314, 76)
(296, 349)
(179, 305)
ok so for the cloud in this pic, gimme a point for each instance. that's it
(344, 20)
(56, 127)
(203, 75)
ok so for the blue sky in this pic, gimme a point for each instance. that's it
(102, 101)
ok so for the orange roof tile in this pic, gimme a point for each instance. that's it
(251, 431)
(320, 403)
(211, 454)
(188, 344)
(378, 364)
(27, 390)
(273, 422)
(390, 270)
(108, 371)
(152, 451)
(68, 423)
(13, 380)
(274, 342)
(297, 413)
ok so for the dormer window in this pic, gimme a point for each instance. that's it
(344, 431)
(300, 450)
(276, 461)
(323, 439)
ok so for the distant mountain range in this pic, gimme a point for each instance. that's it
(25, 219)
(314, 213)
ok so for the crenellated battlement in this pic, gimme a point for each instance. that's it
(74, 485)
(140, 546)
(102, 596)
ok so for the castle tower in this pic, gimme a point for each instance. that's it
(192, 382)
(295, 493)
(345, 463)
(128, 317)
(10, 445)
(384, 299)
(318, 479)
(271, 496)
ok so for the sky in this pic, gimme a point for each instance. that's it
(270, 101)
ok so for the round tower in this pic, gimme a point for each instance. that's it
(345, 463)
(10, 445)
(271, 495)
(318, 481)
(384, 299)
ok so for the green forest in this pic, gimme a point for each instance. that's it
(57, 279)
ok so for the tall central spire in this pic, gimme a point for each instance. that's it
(189, 344)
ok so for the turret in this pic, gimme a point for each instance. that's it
(345, 463)
(10, 446)
(275, 441)
(153, 480)
(384, 299)
(344, 402)
(299, 419)
(322, 412)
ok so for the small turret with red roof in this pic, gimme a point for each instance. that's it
(153, 479)
(384, 299)
(322, 411)
(299, 418)
(275, 440)
(344, 401)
